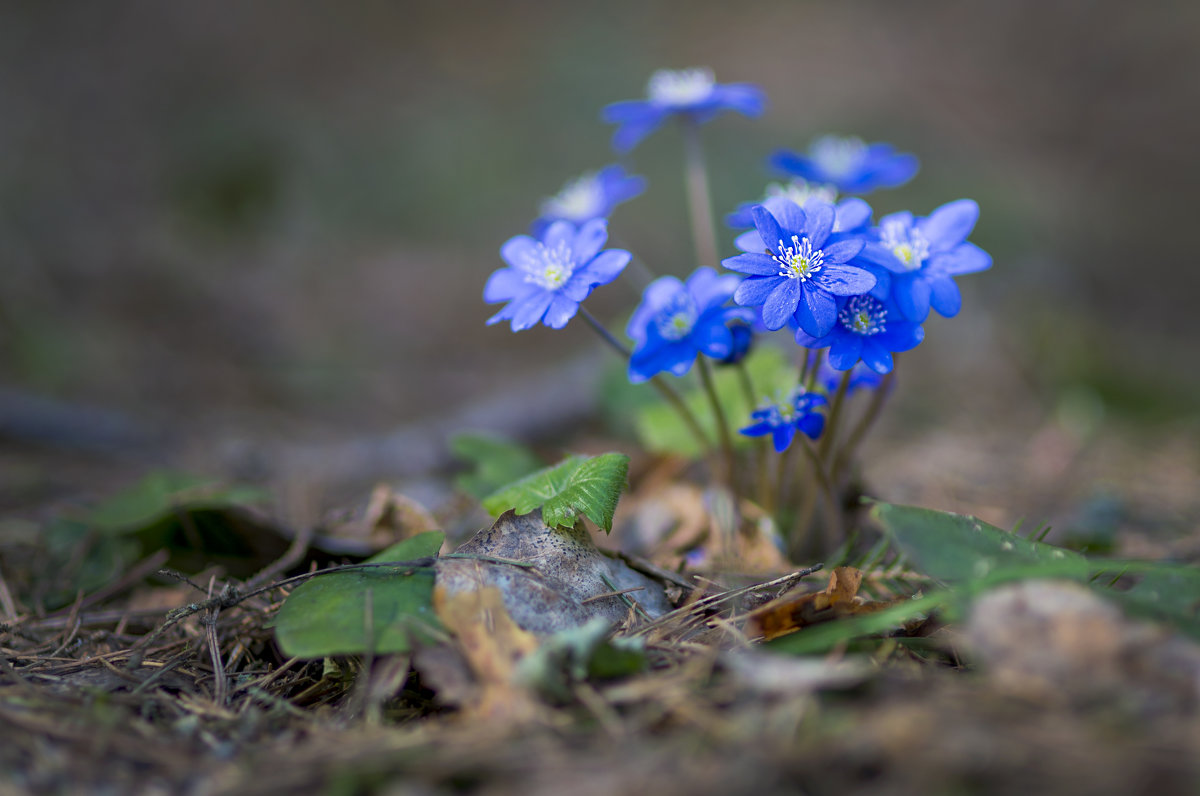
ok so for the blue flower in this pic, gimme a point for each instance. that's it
(867, 329)
(797, 191)
(781, 420)
(546, 279)
(677, 321)
(924, 254)
(592, 195)
(850, 164)
(687, 92)
(803, 269)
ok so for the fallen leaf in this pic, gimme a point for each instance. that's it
(791, 612)
(492, 644)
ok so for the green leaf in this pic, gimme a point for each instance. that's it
(1166, 593)
(660, 429)
(162, 494)
(328, 615)
(577, 485)
(497, 461)
(578, 654)
(956, 548)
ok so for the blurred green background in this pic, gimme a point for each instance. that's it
(277, 217)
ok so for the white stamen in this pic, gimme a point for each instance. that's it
(549, 268)
(837, 156)
(680, 86)
(581, 199)
(800, 191)
(905, 242)
(800, 260)
(676, 320)
(864, 315)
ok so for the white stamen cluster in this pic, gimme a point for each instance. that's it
(581, 199)
(680, 86)
(905, 242)
(799, 191)
(864, 315)
(550, 268)
(800, 260)
(838, 156)
(676, 320)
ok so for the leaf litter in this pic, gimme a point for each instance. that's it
(628, 687)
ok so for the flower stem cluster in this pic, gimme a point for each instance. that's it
(850, 292)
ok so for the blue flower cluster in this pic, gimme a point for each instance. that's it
(812, 260)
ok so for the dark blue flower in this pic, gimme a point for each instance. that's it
(743, 340)
(800, 270)
(687, 92)
(849, 164)
(781, 420)
(924, 254)
(546, 279)
(593, 195)
(797, 191)
(677, 321)
(867, 329)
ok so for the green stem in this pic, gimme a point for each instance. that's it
(761, 444)
(835, 415)
(827, 486)
(666, 390)
(723, 435)
(699, 198)
(846, 455)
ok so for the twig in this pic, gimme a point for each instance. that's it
(214, 648)
(595, 597)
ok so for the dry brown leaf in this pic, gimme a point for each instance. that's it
(791, 612)
(492, 644)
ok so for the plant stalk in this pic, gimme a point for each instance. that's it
(699, 198)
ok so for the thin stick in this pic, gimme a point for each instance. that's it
(710, 388)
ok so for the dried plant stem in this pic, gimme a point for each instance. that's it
(699, 198)
(710, 389)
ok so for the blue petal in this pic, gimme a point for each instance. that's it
(822, 310)
(912, 298)
(768, 228)
(805, 339)
(710, 289)
(878, 254)
(605, 267)
(676, 357)
(560, 233)
(820, 217)
(656, 296)
(781, 303)
(744, 98)
(520, 252)
(713, 338)
(902, 336)
(876, 357)
(844, 280)
(754, 291)
(528, 311)
(966, 258)
(630, 134)
(759, 429)
(750, 242)
(506, 284)
(561, 310)
(590, 240)
(812, 424)
(752, 264)
(846, 350)
(797, 165)
(852, 214)
(790, 215)
(950, 224)
(842, 251)
(945, 297)
(783, 436)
